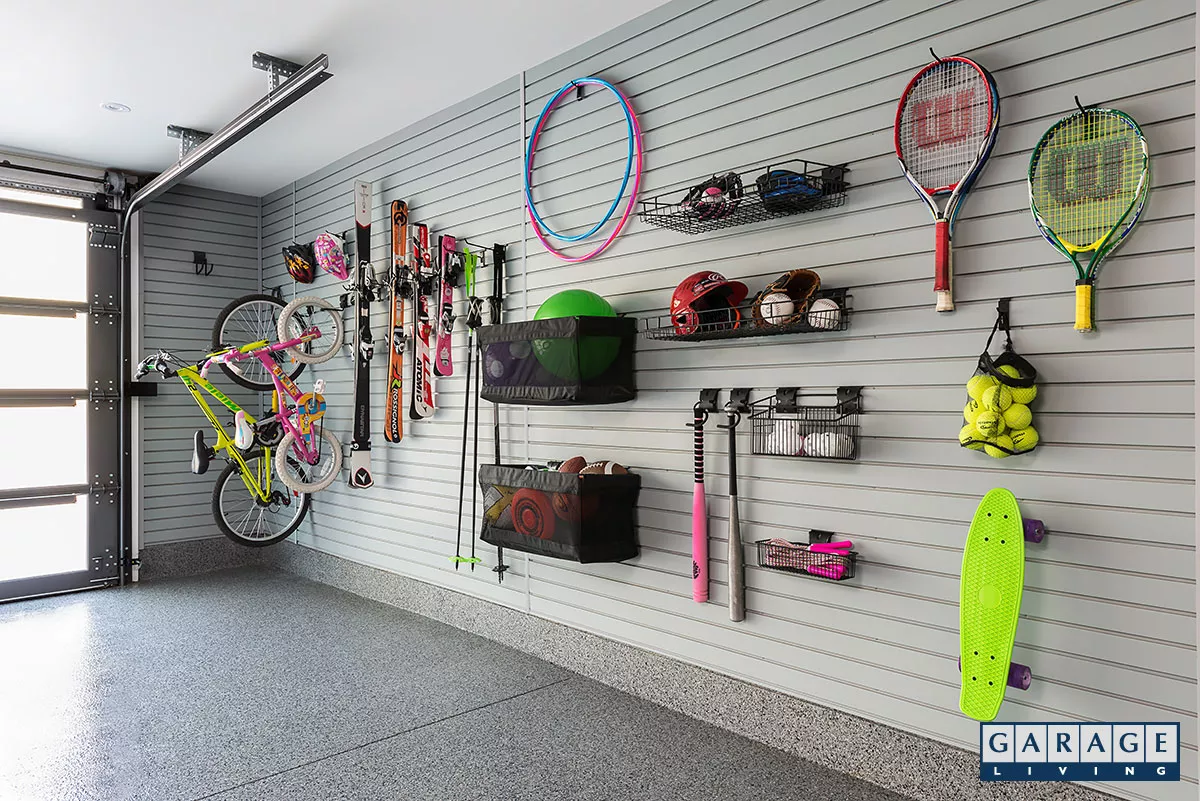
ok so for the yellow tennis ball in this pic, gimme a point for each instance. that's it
(1009, 371)
(970, 438)
(1018, 416)
(1003, 442)
(971, 411)
(989, 423)
(998, 397)
(978, 384)
(1024, 395)
(1025, 439)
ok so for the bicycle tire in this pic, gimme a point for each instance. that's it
(232, 472)
(254, 326)
(284, 452)
(309, 353)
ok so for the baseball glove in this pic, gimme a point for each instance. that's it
(799, 285)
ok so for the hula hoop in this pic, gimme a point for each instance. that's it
(635, 155)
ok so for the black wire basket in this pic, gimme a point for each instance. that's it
(829, 310)
(795, 557)
(768, 193)
(807, 425)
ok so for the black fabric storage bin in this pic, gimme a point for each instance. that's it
(585, 518)
(561, 362)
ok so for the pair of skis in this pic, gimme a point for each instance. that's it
(413, 276)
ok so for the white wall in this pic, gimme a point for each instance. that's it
(1108, 618)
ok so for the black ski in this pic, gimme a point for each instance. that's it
(364, 346)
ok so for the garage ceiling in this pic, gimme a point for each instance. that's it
(189, 64)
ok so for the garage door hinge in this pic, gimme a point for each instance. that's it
(103, 236)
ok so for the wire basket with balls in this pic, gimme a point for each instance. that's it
(582, 511)
(998, 415)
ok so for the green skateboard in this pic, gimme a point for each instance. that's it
(992, 578)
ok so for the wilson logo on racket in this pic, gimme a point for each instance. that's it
(1090, 172)
(944, 119)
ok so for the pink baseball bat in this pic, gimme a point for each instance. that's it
(699, 514)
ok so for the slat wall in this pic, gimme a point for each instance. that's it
(1108, 621)
(178, 308)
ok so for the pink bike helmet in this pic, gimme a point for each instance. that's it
(330, 256)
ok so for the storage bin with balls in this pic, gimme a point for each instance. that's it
(998, 415)
(559, 362)
(584, 518)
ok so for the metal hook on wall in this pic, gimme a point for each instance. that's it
(936, 57)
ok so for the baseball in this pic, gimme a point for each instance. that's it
(777, 307)
(825, 314)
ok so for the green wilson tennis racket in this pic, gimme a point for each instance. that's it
(1088, 181)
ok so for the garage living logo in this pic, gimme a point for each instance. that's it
(1079, 752)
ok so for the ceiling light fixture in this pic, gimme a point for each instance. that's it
(120, 108)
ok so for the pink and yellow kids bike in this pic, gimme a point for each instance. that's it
(249, 505)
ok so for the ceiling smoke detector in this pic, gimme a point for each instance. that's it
(120, 108)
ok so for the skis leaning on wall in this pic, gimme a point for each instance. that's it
(424, 276)
(401, 284)
(364, 345)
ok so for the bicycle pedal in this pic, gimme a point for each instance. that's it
(201, 454)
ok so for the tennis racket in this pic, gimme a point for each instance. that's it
(946, 125)
(1088, 181)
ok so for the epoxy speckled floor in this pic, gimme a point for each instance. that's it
(255, 685)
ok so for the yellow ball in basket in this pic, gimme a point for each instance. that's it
(977, 385)
(1018, 416)
(1024, 395)
(990, 423)
(1025, 439)
(1009, 371)
(971, 411)
(1004, 442)
(998, 397)
(970, 438)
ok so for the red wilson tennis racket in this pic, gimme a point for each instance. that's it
(945, 128)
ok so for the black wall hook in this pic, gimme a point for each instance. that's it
(1082, 108)
(936, 57)
(200, 261)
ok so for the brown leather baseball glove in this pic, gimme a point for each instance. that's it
(799, 285)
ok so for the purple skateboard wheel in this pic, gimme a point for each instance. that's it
(1019, 676)
(1035, 530)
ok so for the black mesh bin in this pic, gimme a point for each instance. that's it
(584, 518)
(560, 362)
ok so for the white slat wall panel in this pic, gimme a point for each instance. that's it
(178, 309)
(1108, 620)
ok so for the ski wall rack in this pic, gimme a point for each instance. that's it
(801, 424)
(778, 190)
(819, 320)
(796, 557)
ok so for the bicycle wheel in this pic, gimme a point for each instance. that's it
(304, 313)
(252, 318)
(247, 520)
(305, 477)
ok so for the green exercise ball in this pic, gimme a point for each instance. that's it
(569, 359)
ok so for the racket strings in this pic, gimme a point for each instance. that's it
(946, 120)
(1088, 174)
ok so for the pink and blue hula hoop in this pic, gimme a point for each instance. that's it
(633, 162)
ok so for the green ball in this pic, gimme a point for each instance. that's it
(1024, 395)
(998, 397)
(1025, 440)
(969, 438)
(1004, 442)
(571, 359)
(989, 423)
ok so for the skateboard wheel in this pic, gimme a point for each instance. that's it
(1035, 530)
(1019, 676)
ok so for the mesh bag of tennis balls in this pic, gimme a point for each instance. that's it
(998, 415)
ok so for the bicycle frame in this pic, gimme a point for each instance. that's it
(196, 380)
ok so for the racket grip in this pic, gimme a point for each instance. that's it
(699, 546)
(1083, 307)
(941, 274)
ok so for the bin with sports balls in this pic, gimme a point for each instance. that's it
(576, 350)
(998, 414)
(582, 511)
